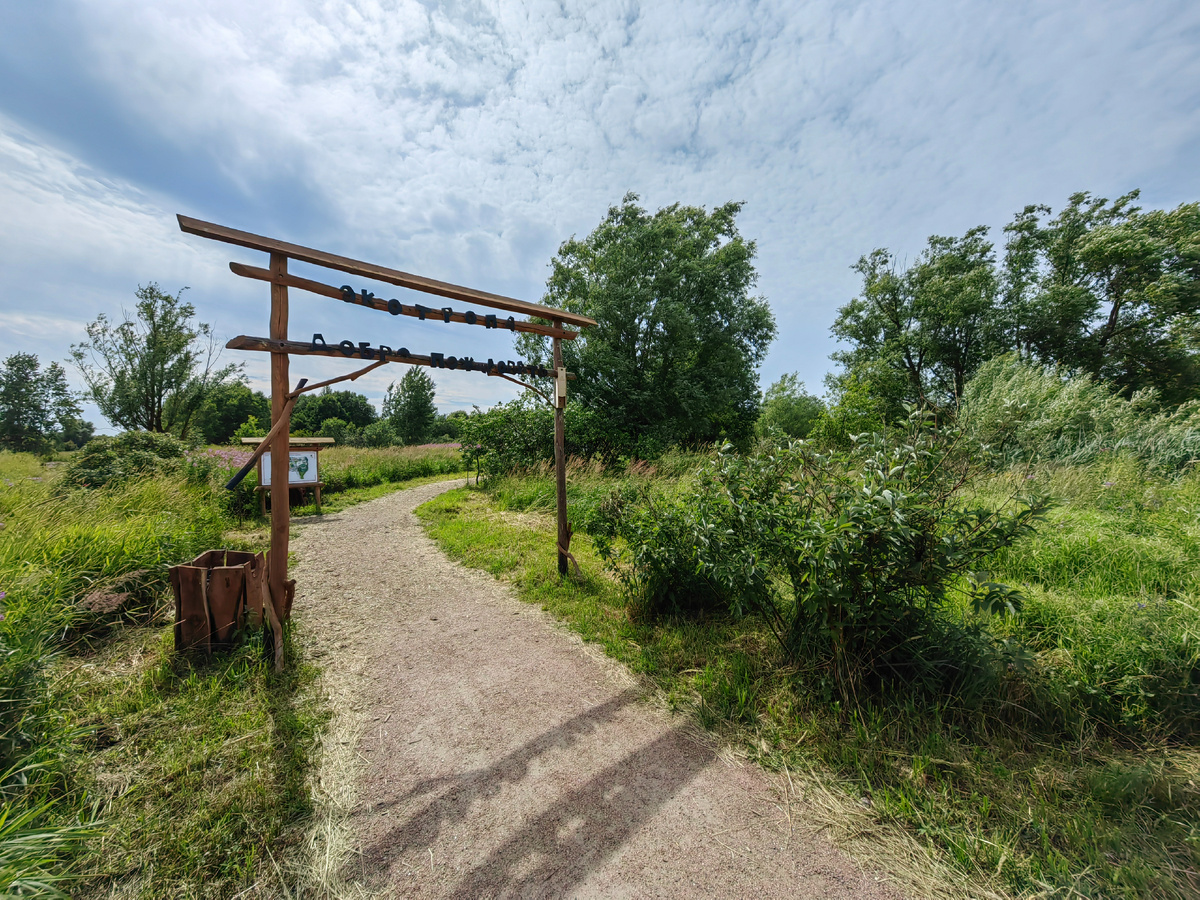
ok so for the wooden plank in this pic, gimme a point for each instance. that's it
(192, 625)
(280, 415)
(225, 587)
(403, 309)
(216, 232)
(560, 473)
(305, 348)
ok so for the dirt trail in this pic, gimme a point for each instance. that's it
(500, 757)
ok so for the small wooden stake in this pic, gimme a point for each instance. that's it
(560, 463)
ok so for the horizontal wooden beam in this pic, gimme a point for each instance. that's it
(348, 350)
(402, 309)
(380, 273)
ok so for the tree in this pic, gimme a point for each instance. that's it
(679, 338)
(152, 372)
(788, 408)
(1108, 290)
(36, 405)
(924, 331)
(226, 408)
(312, 409)
(409, 407)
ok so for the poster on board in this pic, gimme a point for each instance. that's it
(302, 467)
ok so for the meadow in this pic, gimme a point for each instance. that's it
(1059, 760)
(125, 767)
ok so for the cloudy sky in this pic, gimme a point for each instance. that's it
(466, 140)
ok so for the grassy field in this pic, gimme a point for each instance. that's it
(1080, 781)
(131, 771)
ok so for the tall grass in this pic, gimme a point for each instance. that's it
(55, 547)
(1027, 412)
(343, 468)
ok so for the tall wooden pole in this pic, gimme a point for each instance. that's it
(277, 571)
(560, 455)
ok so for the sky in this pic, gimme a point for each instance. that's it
(465, 141)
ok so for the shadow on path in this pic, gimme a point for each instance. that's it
(555, 851)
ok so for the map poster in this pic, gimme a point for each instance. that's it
(302, 467)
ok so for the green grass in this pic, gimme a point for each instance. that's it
(186, 770)
(344, 468)
(1091, 805)
(200, 765)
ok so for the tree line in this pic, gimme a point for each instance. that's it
(1102, 288)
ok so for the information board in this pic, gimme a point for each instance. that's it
(302, 467)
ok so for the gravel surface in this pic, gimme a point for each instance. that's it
(498, 756)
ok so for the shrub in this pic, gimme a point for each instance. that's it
(519, 436)
(341, 431)
(111, 460)
(249, 428)
(847, 557)
(378, 434)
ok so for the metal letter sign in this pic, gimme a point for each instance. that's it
(281, 349)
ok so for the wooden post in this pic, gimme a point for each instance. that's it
(560, 459)
(280, 506)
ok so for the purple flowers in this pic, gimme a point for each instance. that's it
(221, 456)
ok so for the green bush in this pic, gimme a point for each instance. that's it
(341, 431)
(379, 434)
(249, 428)
(111, 460)
(518, 436)
(847, 557)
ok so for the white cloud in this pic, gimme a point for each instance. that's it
(466, 140)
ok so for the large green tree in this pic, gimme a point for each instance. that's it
(36, 405)
(409, 406)
(1109, 290)
(154, 370)
(349, 406)
(680, 334)
(918, 334)
(227, 407)
(788, 408)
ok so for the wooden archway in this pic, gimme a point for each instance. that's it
(281, 348)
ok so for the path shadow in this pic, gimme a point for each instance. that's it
(555, 851)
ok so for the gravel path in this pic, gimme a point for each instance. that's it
(498, 756)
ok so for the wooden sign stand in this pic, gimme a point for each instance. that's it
(280, 589)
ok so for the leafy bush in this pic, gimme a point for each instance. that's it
(112, 460)
(249, 428)
(341, 431)
(788, 408)
(847, 557)
(519, 436)
(379, 434)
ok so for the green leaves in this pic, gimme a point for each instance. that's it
(846, 555)
(152, 372)
(410, 408)
(679, 334)
(36, 406)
